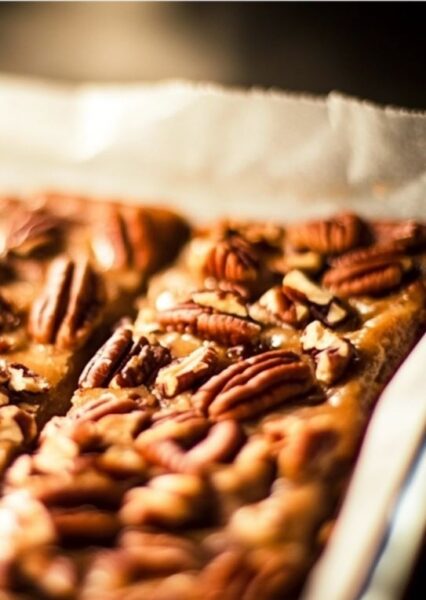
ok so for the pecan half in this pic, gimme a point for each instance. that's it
(85, 486)
(328, 236)
(9, 318)
(167, 553)
(67, 309)
(18, 378)
(276, 306)
(186, 428)
(137, 237)
(124, 238)
(106, 404)
(82, 525)
(253, 386)
(232, 259)
(169, 500)
(33, 231)
(185, 373)
(121, 362)
(332, 353)
(221, 443)
(207, 324)
(372, 271)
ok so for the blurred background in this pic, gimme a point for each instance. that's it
(370, 50)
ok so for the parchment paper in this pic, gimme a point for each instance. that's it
(212, 152)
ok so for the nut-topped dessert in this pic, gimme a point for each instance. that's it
(205, 447)
(58, 299)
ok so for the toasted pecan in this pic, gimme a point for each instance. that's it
(371, 271)
(169, 500)
(124, 238)
(221, 443)
(184, 373)
(328, 236)
(33, 231)
(253, 386)
(137, 237)
(232, 259)
(208, 324)
(68, 307)
(106, 404)
(277, 306)
(17, 378)
(122, 362)
(186, 428)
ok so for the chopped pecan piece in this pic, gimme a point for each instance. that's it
(331, 236)
(372, 271)
(17, 429)
(308, 262)
(332, 353)
(18, 378)
(276, 307)
(253, 386)
(33, 231)
(67, 310)
(265, 235)
(323, 305)
(9, 318)
(121, 362)
(228, 302)
(207, 324)
(296, 280)
(185, 373)
(409, 233)
(232, 259)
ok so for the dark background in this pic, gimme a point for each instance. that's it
(371, 50)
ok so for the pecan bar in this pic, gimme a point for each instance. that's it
(59, 298)
(210, 439)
